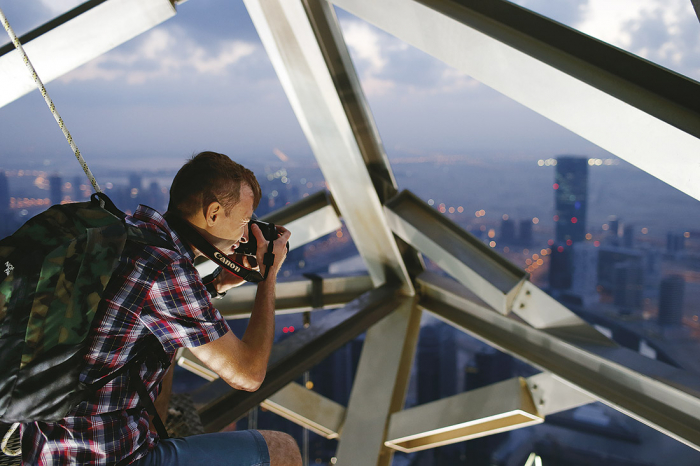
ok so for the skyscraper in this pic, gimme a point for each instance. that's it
(671, 300)
(5, 221)
(570, 198)
(56, 189)
(525, 232)
(507, 231)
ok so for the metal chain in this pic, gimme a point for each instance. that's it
(49, 102)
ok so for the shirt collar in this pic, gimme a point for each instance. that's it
(153, 217)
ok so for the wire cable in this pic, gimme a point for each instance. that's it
(49, 102)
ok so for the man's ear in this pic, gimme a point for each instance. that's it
(214, 212)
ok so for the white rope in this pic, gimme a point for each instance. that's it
(49, 102)
(6, 439)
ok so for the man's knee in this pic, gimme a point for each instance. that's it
(283, 449)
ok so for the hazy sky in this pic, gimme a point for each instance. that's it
(202, 81)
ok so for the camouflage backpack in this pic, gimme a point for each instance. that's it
(56, 268)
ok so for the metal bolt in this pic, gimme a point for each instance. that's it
(541, 402)
(522, 305)
(534, 387)
(527, 292)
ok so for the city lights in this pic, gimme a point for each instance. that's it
(589, 236)
(492, 244)
(645, 230)
(535, 220)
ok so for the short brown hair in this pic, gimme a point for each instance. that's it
(210, 177)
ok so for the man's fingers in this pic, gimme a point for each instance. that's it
(258, 234)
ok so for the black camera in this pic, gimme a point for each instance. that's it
(251, 247)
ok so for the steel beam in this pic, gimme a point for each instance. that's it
(552, 395)
(308, 409)
(478, 267)
(219, 405)
(75, 38)
(489, 410)
(661, 396)
(380, 387)
(630, 107)
(295, 46)
(482, 270)
(296, 296)
(499, 407)
(696, 6)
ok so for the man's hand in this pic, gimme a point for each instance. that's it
(226, 280)
(279, 248)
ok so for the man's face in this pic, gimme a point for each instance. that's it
(228, 231)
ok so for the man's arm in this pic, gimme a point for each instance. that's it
(242, 363)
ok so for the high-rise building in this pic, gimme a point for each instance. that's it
(525, 232)
(507, 231)
(628, 236)
(675, 242)
(570, 198)
(671, 300)
(55, 189)
(5, 216)
(4, 192)
(584, 275)
(613, 236)
(561, 267)
(629, 286)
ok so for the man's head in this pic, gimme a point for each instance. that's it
(217, 196)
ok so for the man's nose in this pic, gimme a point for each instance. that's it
(244, 238)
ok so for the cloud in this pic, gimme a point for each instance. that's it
(387, 65)
(60, 6)
(163, 53)
(663, 31)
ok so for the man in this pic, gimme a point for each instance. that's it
(157, 291)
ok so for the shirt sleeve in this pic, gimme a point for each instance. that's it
(179, 311)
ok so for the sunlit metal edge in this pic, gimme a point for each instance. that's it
(451, 415)
(82, 37)
(568, 88)
(295, 52)
(308, 409)
(596, 376)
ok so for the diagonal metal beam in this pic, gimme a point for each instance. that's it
(630, 107)
(482, 270)
(295, 47)
(380, 386)
(296, 296)
(489, 410)
(661, 396)
(499, 407)
(75, 38)
(219, 405)
(307, 409)
(475, 265)
(696, 6)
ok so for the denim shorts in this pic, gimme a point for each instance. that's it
(238, 448)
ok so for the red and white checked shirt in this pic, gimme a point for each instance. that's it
(153, 291)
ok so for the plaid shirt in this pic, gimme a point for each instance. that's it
(153, 291)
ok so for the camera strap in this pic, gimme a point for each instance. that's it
(188, 232)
